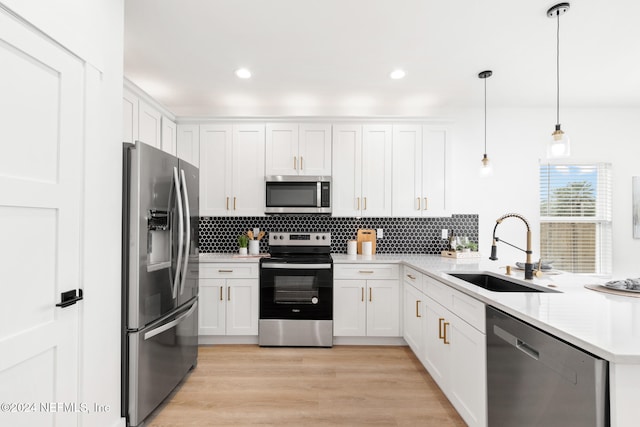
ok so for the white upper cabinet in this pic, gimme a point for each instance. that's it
(298, 149)
(188, 143)
(149, 125)
(420, 168)
(169, 137)
(129, 116)
(362, 170)
(232, 170)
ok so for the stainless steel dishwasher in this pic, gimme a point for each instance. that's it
(536, 379)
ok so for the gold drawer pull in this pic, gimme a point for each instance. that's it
(365, 203)
(301, 163)
(445, 333)
(426, 206)
(365, 271)
(225, 271)
(440, 335)
(295, 163)
(362, 296)
(234, 203)
(411, 277)
(221, 297)
(418, 308)
(370, 294)
(229, 294)
(227, 203)
(418, 199)
(358, 208)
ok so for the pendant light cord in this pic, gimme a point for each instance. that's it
(485, 116)
(558, 70)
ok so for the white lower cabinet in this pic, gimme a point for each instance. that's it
(228, 299)
(366, 300)
(446, 333)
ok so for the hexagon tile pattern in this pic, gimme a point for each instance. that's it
(400, 235)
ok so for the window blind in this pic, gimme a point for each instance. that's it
(575, 216)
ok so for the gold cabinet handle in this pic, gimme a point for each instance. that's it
(418, 199)
(234, 203)
(221, 297)
(411, 277)
(365, 271)
(362, 295)
(225, 271)
(365, 203)
(358, 208)
(227, 203)
(301, 163)
(370, 294)
(418, 308)
(295, 163)
(444, 338)
(426, 206)
(440, 335)
(229, 294)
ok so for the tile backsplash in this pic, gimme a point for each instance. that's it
(400, 235)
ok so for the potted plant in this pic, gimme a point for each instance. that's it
(473, 246)
(243, 241)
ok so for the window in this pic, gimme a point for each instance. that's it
(575, 217)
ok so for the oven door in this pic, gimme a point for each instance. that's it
(296, 291)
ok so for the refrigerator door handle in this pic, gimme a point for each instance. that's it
(160, 329)
(187, 227)
(176, 181)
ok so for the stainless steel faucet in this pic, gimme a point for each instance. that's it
(528, 266)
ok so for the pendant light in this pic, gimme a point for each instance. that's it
(559, 144)
(485, 169)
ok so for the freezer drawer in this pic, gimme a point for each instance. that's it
(159, 358)
(536, 379)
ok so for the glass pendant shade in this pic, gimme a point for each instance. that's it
(486, 169)
(559, 144)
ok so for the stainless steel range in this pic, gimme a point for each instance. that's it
(296, 291)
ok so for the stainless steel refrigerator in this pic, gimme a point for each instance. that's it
(159, 277)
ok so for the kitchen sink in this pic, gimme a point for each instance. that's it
(494, 283)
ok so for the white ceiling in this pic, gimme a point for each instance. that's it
(333, 57)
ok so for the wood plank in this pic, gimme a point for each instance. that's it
(236, 385)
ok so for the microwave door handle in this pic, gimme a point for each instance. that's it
(318, 194)
(176, 181)
(187, 228)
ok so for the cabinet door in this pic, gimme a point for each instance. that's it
(436, 351)
(129, 117)
(468, 375)
(215, 170)
(211, 313)
(407, 171)
(347, 173)
(169, 136)
(435, 171)
(376, 170)
(314, 149)
(149, 125)
(349, 308)
(242, 307)
(188, 144)
(383, 308)
(282, 156)
(413, 319)
(248, 170)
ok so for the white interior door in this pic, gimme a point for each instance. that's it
(41, 170)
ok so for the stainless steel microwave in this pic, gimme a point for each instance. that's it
(298, 194)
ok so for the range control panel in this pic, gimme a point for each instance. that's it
(299, 239)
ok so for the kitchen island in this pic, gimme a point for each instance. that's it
(605, 325)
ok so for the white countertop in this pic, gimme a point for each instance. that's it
(603, 324)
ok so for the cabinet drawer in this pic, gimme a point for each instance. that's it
(465, 307)
(233, 271)
(412, 277)
(366, 271)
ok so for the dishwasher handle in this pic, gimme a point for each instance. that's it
(516, 342)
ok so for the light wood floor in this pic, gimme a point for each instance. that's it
(236, 385)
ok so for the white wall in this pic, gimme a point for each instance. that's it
(516, 140)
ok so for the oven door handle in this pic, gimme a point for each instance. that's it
(296, 266)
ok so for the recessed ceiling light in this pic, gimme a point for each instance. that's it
(243, 73)
(397, 74)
